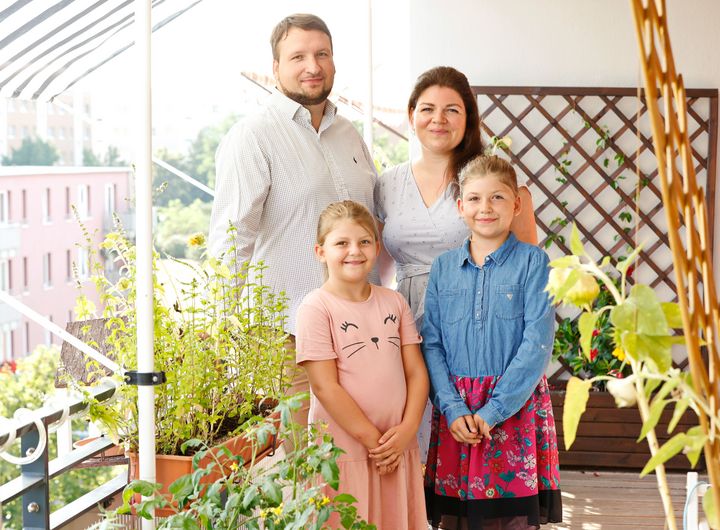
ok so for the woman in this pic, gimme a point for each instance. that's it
(416, 202)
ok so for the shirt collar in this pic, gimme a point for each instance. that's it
(295, 111)
(498, 256)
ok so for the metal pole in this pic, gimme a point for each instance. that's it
(144, 286)
(368, 121)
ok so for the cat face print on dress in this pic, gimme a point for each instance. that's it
(354, 339)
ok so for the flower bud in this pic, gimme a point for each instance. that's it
(623, 390)
(581, 294)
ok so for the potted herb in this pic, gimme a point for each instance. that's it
(286, 495)
(220, 345)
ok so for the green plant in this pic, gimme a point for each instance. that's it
(289, 494)
(218, 338)
(603, 358)
(641, 328)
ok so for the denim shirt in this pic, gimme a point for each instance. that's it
(488, 320)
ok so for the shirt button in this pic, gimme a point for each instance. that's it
(478, 292)
(477, 315)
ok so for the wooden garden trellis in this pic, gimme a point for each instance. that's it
(588, 157)
(687, 215)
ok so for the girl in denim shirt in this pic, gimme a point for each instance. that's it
(487, 339)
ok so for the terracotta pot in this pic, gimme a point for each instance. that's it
(115, 450)
(169, 468)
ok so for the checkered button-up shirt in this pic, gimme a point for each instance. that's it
(275, 174)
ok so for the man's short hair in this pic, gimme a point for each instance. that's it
(304, 21)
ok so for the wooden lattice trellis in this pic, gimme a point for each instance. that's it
(587, 155)
(688, 215)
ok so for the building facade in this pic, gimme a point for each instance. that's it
(42, 253)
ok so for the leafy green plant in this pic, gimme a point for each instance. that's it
(289, 494)
(218, 338)
(603, 357)
(641, 327)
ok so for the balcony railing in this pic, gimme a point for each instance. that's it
(33, 484)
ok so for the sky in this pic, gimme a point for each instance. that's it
(198, 59)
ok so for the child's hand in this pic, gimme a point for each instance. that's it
(482, 426)
(465, 430)
(386, 470)
(392, 445)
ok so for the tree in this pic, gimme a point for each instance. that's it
(111, 158)
(32, 381)
(177, 223)
(199, 163)
(32, 152)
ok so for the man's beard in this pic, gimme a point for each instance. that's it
(304, 99)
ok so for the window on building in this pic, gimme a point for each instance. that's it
(68, 265)
(68, 204)
(61, 133)
(50, 108)
(23, 106)
(46, 213)
(83, 264)
(24, 132)
(23, 205)
(110, 194)
(11, 131)
(6, 353)
(10, 105)
(26, 338)
(4, 207)
(25, 274)
(47, 270)
(83, 201)
(5, 275)
(86, 135)
(51, 132)
(48, 334)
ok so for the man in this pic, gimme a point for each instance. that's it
(277, 170)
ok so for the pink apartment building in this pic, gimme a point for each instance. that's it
(39, 239)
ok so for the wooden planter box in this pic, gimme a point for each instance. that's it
(607, 436)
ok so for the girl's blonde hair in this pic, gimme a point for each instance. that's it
(341, 211)
(486, 165)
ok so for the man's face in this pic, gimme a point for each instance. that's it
(305, 70)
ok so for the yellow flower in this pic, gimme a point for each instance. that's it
(196, 240)
(619, 353)
(234, 466)
(325, 500)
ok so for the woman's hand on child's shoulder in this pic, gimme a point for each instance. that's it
(466, 429)
(392, 445)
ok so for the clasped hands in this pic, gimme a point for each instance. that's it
(470, 429)
(391, 446)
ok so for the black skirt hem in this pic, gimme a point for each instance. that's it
(543, 508)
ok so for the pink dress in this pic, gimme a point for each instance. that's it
(364, 338)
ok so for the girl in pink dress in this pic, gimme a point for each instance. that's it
(360, 348)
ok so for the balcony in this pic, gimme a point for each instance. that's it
(8, 316)
(9, 240)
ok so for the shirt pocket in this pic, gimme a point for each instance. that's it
(508, 301)
(453, 305)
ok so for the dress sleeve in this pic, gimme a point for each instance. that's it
(530, 362)
(241, 187)
(443, 393)
(313, 339)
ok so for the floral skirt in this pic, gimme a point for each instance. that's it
(509, 481)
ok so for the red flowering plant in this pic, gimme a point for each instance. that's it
(603, 358)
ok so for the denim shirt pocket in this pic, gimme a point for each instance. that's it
(453, 305)
(508, 303)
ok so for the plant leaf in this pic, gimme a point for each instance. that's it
(576, 245)
(680, 407)
(577, 394)
(710, 509)
(669, 449)
(586, 325)
(673, 316)
(623, 265)
(656, 409)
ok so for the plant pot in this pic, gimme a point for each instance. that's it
(169, 468)
(607, 435)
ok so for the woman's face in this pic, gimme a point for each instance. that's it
(439, 119)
